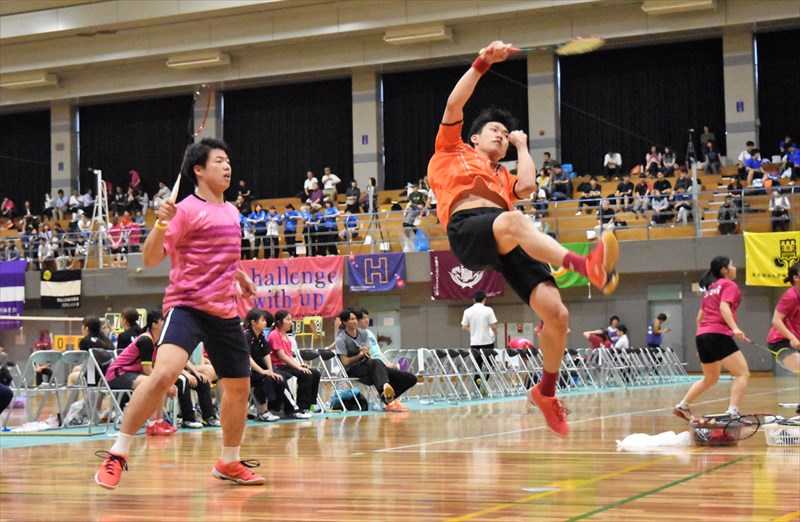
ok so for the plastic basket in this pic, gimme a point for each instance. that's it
(782, 435)
(716, 434)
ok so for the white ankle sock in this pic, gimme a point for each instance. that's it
(230, 454)
(683, 404)
(122, 445)
(732, 409)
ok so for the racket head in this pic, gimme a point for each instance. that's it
(789, 360)
(580, 45)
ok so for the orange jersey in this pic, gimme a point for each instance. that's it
(456, 168)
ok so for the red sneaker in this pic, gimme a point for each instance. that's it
(388, 393)
(601, 263)
(555, 414)
(396, 406)
(111, 471)
(238, 472)
(160, 428)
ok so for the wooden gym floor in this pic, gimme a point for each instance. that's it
(484, 461)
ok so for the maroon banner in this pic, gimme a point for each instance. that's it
(303, 285)
(450, 280)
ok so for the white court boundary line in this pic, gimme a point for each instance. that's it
(537, 428)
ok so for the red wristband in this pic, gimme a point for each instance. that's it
(481, 65)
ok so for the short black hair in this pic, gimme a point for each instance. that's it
(197, 154)
(360, 312)
(661, 317)
(480, 296)
(749, 144)
(493, 114)
(612, 319)
(622, 328)
(344, 315)
(255, 314)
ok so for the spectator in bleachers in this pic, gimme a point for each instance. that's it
(413, 211)
(285, 363)
(728, 217)
(291, 218)
(562, 186)
(681, 202)
(308, 185)
(305, 216)
(662, 185)
(116, 234)
(605, 217)
(684, 181)
(642, 192)
(597, 339)
(316, 231)
(369, 200)
(44, 342)
(245, 192)
(652, 162)
(543, 181)
(272, 247)
(612, 165)
(753, 167)
(779, 207)
(547, 161)
(661, 209)
(791, 163)
(242, 207)
(352, 197)
(783, 146)
(119, 202)
(315, 196)
(48, 206)
(735, 189)
(590, 194)
(329, 182)
(129, 321)
(350, 227)
(136, 181)
(269, 387)
(258, 220)
(706, 136)
(85, 226)
(139, 219)
(163, 194)
(330, 229)
(624, 193)
(60, 205)
(88, 202)
(352, 348)
(75, 202)
(9, 250)
(133, 201)
(711, 158)
(745, 155)
(668, 161)
(8, 210)
(28, 216)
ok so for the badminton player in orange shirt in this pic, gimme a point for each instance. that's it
(475, 195)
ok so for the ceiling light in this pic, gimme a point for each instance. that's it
(29, 81)
(412, 35)
(196, 61)
(666, 7)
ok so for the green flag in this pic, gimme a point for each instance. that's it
(565, 278)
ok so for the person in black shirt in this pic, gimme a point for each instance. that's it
(624, 193)
(684, 181)
(130, 321)
(269, 386)
(662, 185)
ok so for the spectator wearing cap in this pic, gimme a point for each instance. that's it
(562, 186)
(612, 164)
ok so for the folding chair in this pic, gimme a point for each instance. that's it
(334, 374)
(437, 381)
(69, 360)
(49, 358)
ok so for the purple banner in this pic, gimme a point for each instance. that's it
(450, 280)
(12, 291)
(377, 272)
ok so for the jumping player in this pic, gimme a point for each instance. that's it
(785, 331)
(716, 330)
(475, 196)
(202, 238)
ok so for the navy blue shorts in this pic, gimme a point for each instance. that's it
(223, 339)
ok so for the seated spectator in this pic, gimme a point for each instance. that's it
(652, 162)
(622, 341)
(711, 158)
(8, 210)
(369, 199)
(611, 331)
(543, 182)
(44, 342)
(642, 194)
(352, 197)
(590, 194)
(163, 194)
(413, 211)
(269, 387)
(351, 227)
(134, 201)
(612, 165)
(60, 205)
(307, 186)
(779, 207)
(783, 145)
(753, 168)
(315, 196)
(681, 203)
(286, 365)
(728, 217)
(668, 162)
(353, 349)
(93, 337)
(540, 202)
(75, 202)
(684, 181)
(119, 203)
(706, 136)
(561, 184)
(605, 218)
(745, 155)
(374, 347)
(547, 161)
(791, 163)
(242, 206)
(597, 339)
(662, 185)
(129, 321)
(48, 206)
(272, 247)
(661, 208)
(329, 182)
(624, 193)
(84, 226)
(138, 218)
(27, 215)
(9, 250)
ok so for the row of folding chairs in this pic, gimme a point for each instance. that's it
(457, 374)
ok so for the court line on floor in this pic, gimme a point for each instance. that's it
(537, 428)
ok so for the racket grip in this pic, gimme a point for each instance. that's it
(513, 50)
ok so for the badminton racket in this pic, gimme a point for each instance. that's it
(780, 356)
(193, 132)
(577, 45)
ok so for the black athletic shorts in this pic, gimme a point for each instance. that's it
(472, 241)
(123, 381)
(780, 345)
(223, 339)
(712, 347)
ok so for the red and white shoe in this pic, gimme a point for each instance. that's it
(160, 428)
(111, 470)
(601, 263)
(396, 406)
(239, 472)
(555, 414)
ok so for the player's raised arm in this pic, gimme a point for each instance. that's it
(495, 52)
(526, 168)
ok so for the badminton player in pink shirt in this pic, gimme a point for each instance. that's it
(785, 332)
(202, 238)
(717, 327)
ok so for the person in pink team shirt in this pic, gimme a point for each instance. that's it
(717, 328)
(201, 236)
(785, 331)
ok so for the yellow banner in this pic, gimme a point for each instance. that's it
(769, 255)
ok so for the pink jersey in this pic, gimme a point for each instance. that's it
(204, 243)
(789, 306)
(721, 290)
(278, 342)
